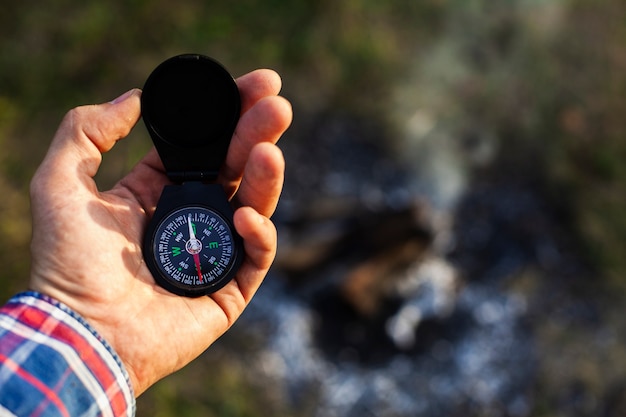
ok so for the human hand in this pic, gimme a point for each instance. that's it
(86, 245)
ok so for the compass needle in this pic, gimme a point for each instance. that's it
(192, 235)
(196, 259)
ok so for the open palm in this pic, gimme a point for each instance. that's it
(86, 246)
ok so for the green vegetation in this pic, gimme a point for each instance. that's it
(63, 54)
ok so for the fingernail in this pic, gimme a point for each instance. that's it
(123, 96)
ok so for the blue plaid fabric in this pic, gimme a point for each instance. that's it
(52, 363)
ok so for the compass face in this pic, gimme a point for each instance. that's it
(194, 251)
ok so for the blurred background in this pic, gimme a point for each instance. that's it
(453, 225)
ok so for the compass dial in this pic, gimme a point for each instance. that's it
(194, 251)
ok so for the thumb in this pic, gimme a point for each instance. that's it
(85, 133)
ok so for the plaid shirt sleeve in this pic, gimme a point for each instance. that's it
(52, 363)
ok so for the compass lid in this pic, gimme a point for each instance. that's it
(190, 106)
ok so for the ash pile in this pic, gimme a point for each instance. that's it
(381, 303)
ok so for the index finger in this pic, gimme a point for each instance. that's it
(266, 121)
(257, 84)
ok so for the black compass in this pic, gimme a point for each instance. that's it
(190, 106)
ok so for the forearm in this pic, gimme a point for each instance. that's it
(53, 363)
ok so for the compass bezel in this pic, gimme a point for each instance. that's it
(191, 194)
(168, 280)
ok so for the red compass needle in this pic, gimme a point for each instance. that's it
(196, 259)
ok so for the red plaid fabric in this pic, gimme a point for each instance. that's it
(52, 363)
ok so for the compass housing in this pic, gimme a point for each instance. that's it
(190, 106)
(180, 197)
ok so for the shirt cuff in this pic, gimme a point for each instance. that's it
(52, 362)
